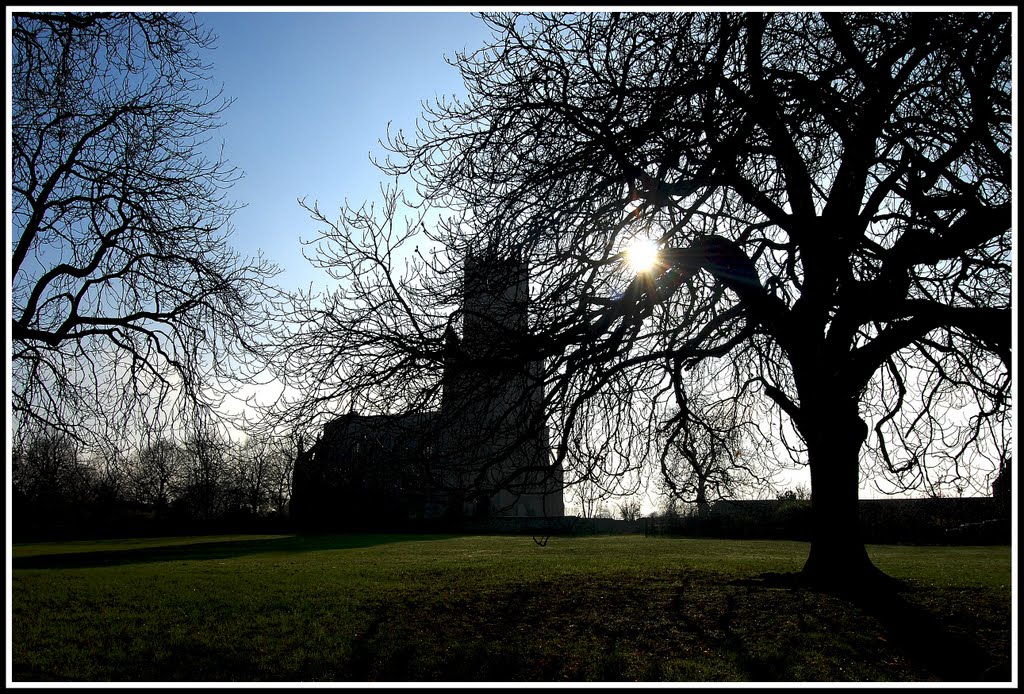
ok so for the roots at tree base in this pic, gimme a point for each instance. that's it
(923, 636)
(844, 567)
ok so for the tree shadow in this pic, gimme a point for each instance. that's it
(207, 551)
(917, 631)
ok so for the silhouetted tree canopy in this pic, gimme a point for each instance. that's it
(830, 193)
(125, 294)
(704, 457)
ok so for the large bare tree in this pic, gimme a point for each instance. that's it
(125, 295)
(830, 195)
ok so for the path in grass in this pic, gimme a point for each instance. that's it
(400, 608)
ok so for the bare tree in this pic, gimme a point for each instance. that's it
(262, 470)
(629, 509)
(608, 454)
(589, 497)
(125, 294)
(157, 474)
(283, 454)
(798, 493)
(705, 455)
(830, 196)
(109, 466)
(50, 482)
(205, 492)
(670, 508)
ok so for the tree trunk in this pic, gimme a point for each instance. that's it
(837, 557)
(702, 495)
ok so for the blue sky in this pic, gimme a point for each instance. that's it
(314, 91)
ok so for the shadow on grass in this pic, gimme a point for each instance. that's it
(952, 656)
(926, 639)
(206, 551)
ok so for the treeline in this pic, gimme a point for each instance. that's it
(974, 520)
(200, 482)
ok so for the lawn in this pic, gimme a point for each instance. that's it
(286, 608)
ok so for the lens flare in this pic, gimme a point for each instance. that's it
(641, 255)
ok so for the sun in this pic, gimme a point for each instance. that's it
(641, 255)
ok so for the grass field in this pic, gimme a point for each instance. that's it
(494, 608)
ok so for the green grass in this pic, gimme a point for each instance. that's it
(420, 608)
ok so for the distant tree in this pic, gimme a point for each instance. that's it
(703, 456)
(629, 509)
(799, 493)
(157, 474)
(262, 473)
(110, 483)
(589, 498)
(606, 459)
(49, 480)
(206, 490)
(830, 194)
(670, 508)
(125, 295)
(283, 454)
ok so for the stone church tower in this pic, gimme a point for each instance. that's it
(484, 453)
(492, 403)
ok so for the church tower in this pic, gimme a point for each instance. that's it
(493, 392)
(486, 361)
(485, 452)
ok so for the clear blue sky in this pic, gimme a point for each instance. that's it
(314, 91)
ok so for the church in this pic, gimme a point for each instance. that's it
(483, 453)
